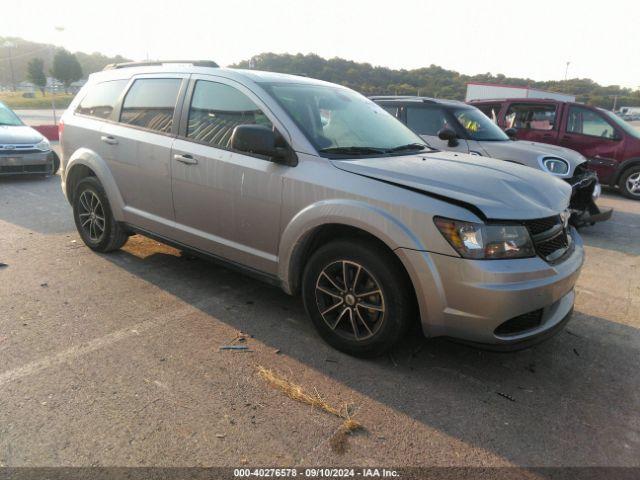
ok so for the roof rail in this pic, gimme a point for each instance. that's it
(195, 63)
(415, 98)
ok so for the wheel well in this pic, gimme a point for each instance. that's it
(76, 174)
(626, 166)
(327, 233)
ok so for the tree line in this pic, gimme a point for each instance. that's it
(24, 60)
(432, 81)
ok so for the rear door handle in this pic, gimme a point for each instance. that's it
(109, 139)
(186, 159)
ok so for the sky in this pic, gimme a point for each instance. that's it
(533, 39)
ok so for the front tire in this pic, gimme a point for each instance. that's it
(94, 219)
(358, 296)
(630, 183)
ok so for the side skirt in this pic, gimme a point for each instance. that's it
(223, 262)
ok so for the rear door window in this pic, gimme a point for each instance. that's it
(150, 103)
(392, 109)
(426, 120)
(533, 116)
(490, 110)
(101, 99)
(585, 121)
(217, 109)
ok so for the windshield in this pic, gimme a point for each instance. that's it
(478, 126)
(623, 124)
(7, 117)
(340, 122)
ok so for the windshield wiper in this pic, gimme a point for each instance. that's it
(408, 146)
(353, 150)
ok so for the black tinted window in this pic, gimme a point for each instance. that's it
(426, 121)
(216, 109)
(150, 103)
(101, 99)
(537, 116)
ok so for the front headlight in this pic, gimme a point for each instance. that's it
(44, 145)
(556, 166)
(485, 242)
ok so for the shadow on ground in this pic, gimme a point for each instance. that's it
(567, 400)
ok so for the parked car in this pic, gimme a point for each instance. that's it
(610, 144)
(314, 188)
(23, 150)
(456, 126)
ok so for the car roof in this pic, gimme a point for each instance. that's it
(524, 99)
(204, 67)
(415, 99)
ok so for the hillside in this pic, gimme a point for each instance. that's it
(430, 81)
(23, 51)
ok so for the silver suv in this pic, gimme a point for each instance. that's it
(456, 126)
(317, 189)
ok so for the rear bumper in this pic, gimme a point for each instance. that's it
(26, 163)
(469, 299)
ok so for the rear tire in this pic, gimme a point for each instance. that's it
(629, 183)
(94, 218)
(334, 281)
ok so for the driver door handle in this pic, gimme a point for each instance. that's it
(109, 139)
(185, 158)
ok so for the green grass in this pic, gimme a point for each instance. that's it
(15, 100)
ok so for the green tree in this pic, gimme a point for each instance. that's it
(431, 81)
(66, 68)
(35, 73)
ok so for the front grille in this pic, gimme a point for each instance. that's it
(15, 169)
(18, 151)
(520, 324)
(541, 225)
(549, 237)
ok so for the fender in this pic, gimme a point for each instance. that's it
(353, 213)
(90, 159)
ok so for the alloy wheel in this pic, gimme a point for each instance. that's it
(91, 214)
(633, 183)
(350, 300)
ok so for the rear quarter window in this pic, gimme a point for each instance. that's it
(101, 99)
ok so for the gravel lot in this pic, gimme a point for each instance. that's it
(114, 360)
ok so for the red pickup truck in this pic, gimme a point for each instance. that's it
(610, 144)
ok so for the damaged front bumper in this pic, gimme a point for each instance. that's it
(586, 189)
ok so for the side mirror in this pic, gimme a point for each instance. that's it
(449, 135)
(261, 140)
(512, 133)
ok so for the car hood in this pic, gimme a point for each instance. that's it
(530, 153)
(19, 135)
(499, 190)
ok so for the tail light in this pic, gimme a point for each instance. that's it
(60, 128)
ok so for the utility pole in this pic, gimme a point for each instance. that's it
(566, 71)
(9, 45)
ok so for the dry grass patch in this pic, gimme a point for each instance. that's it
(296, 392)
